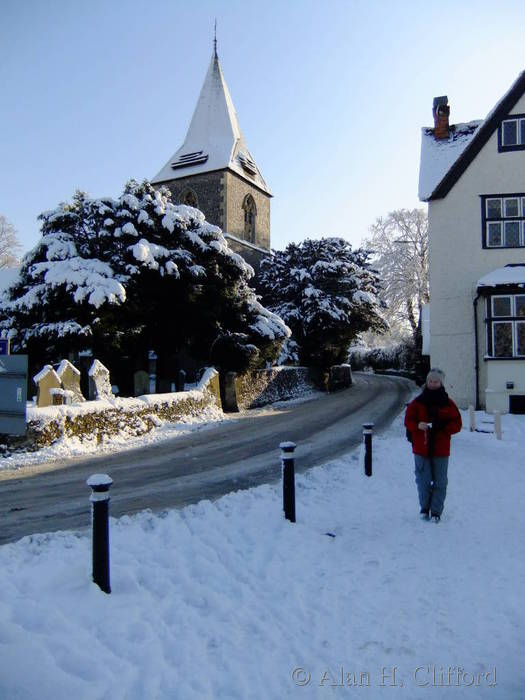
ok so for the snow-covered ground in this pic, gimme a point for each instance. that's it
(227, 600)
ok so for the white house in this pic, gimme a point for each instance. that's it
(473, 178)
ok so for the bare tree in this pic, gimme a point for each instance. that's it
(10, 246)
(399, 242)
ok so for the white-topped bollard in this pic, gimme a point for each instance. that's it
(367, 435)
(288, 471)
(100, 485)
(472, 418)
(497, 424)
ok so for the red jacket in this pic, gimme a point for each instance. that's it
(446, 421)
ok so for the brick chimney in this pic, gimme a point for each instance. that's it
(441, 111)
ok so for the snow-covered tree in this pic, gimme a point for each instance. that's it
(400, 245)
(10, 246)
(135, 274)
(327, 293)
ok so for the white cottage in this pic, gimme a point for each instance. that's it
(473, 178)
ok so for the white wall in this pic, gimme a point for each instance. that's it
(457, 261)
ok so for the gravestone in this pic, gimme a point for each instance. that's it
(46, 380)
(140, 383)
(99, 382)
(70, 378)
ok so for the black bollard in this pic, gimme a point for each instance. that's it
(367, 434)
(100, 484)
(288, 466)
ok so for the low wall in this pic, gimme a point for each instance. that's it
(127, 417)
(265, 386)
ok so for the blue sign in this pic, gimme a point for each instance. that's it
(4, 346)
(13, 394)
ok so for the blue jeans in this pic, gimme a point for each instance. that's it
(431, 481)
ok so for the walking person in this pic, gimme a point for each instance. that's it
(431, 419)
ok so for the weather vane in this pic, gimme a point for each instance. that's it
(215, 38)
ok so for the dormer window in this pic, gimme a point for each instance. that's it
(511, 134)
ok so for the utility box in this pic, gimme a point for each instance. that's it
(13, 394)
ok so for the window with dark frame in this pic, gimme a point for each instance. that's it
(511, 133)
(503, 218)
(506, 325)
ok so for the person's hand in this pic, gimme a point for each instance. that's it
(422, 426)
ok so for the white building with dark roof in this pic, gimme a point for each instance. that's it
(215, 172)
(473, 178)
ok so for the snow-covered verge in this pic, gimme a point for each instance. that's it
(229, 600)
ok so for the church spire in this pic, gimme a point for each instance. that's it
(214, 140)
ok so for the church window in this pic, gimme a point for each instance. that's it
(189, 197)
(250, 215)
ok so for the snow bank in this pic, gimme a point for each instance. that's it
(228, 600)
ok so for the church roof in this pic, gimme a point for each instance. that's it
(214, 140)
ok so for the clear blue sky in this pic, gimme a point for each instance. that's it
(331, 96)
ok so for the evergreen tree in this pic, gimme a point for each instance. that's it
(136, 274)
(326, 293)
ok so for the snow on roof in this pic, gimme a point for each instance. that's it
(46, 369)
(443, 162)
(64, 365)
(247, 243)
(214, 140)
(438, 155)
(8, 276)
(508, 275)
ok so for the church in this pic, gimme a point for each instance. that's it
(214, 171)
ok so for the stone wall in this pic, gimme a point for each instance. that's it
(265, 386)
(220, 196)
(236, 189)
(209, 188)
(96, 420)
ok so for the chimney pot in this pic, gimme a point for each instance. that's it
(441, 112)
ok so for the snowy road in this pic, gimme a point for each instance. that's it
(206, 464)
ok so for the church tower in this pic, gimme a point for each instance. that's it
(214, 171)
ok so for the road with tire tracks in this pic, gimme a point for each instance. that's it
(229, 456)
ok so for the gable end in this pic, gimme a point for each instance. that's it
(481, 137)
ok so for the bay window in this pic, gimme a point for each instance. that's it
(506, 325)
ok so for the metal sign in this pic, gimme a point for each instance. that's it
(4, 346)
(13, 394)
